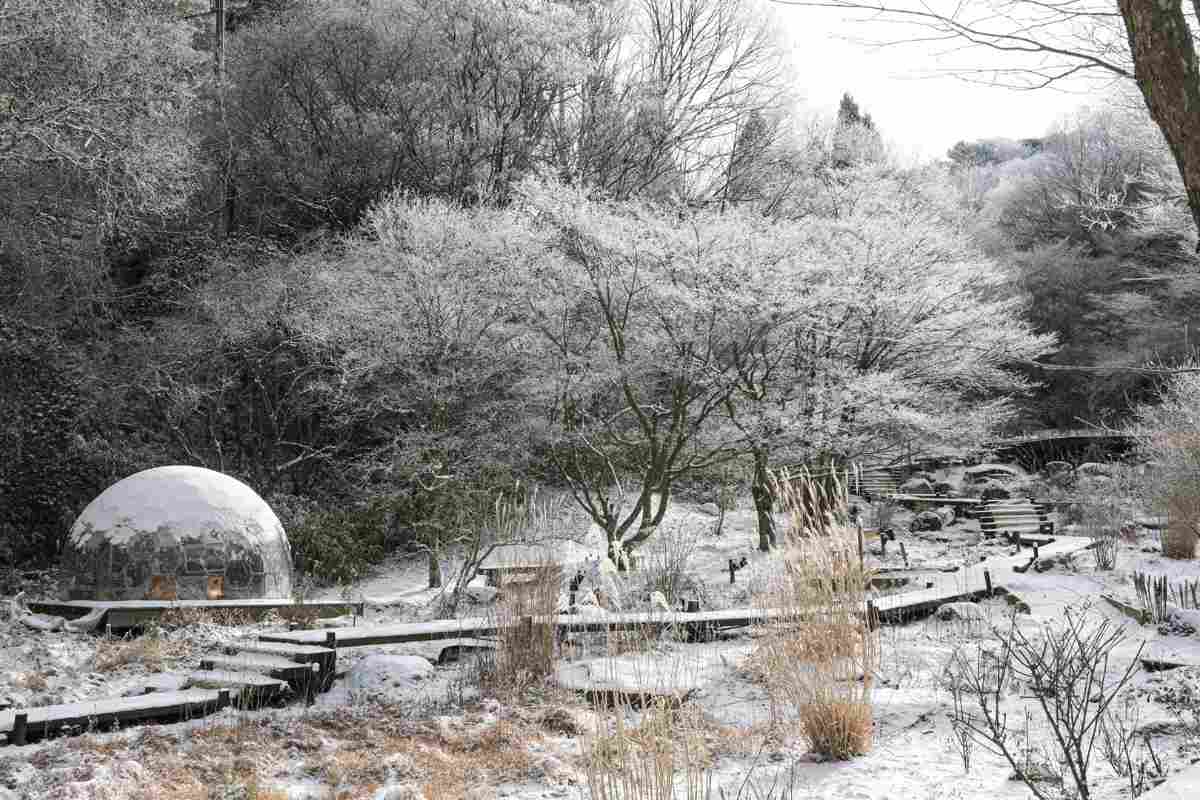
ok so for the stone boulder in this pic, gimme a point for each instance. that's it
(961, 612)
(926, 521)
(1092, 469)
(994, 490)
(916, 486)
(1056, 469)
(946, 513)
(945, 488)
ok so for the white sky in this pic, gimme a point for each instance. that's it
(921, 116)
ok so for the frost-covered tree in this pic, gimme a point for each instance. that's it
(629, 336)
(95, 103)
(333, 103)
(868, 331)
(674, 340)
(670, 85)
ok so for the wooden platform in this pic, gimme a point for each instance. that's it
(124, 614)
(325, 658)
(304, 678)
(246, 689)
(47, 720)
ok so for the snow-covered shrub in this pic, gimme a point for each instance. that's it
(1066, 667)
(666, 564)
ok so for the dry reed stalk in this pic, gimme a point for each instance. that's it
(1183, 521)
(525, 647)
(663, 756)
(818, 655)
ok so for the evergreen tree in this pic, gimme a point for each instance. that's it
(855, 139)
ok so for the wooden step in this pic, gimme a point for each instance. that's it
(30, 724)
(324, 657)
(247, 689)
(303, 678)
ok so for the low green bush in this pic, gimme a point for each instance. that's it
(338, 546)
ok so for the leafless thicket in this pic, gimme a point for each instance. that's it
(1078, 691)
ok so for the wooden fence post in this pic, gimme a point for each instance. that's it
(18, 729)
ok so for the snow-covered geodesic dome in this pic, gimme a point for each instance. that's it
(179, 532)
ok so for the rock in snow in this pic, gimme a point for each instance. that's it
(965, 612)
(926, 521)
(388, 674)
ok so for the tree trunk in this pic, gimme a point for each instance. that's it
(1168, 74)
(764, 502)
(435, 570)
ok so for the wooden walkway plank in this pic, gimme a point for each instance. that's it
(248, 689)
(44, 720)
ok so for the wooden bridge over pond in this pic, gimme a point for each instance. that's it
(1034, 449)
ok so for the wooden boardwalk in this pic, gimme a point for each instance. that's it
(967, 582)
(307, 659)
(123, 614)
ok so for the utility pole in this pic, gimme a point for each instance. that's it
(224, 191)
(218, 9)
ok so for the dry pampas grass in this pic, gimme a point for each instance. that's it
(818, 653)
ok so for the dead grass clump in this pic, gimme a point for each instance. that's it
(185, 617)
(150, 651)
(559, 720)
(819, 653)
(450, 763)
(649, 760)
(33, 681)
(837, 726)
(298, 616)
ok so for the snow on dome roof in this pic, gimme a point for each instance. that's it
(178, 532)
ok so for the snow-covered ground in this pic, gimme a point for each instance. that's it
(395, 727)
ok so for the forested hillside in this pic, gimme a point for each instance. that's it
(387, 262)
